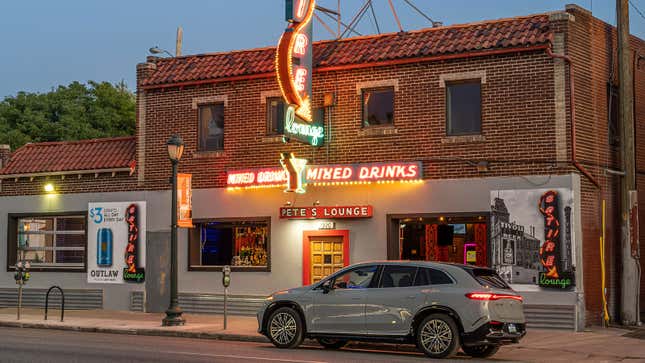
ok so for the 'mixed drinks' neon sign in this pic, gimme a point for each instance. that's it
(293, 65)
(329, 174)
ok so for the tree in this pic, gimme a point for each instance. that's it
(74, 112)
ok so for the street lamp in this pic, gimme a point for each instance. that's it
(157, 50)
(173, 317)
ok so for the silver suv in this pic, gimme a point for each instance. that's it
(440, 307)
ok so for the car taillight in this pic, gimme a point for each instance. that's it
(487, 296)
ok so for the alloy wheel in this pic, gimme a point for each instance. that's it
(283, 328)
(436, 336)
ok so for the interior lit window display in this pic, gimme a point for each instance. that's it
(221, 243)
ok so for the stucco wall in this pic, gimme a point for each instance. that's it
(367, 236)
(114, 296)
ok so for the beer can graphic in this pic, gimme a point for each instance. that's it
(104, 247)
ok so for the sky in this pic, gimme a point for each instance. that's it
(47, 43)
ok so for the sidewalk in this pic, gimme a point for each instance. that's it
(239, 328)
(596, 345)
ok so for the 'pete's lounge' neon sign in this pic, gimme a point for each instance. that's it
(373, 172)
(293, 65)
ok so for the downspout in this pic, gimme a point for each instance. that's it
(572, 107)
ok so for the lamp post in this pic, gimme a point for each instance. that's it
(173, 317)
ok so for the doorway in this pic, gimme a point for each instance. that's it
(324, 252)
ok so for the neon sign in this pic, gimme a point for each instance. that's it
(294, 168)
(551, 248)
(293, 64)
(328, 174)
(132, 272)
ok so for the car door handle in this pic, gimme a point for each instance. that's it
(411, 297)
(356, 298)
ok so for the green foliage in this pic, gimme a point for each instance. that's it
(74, 112)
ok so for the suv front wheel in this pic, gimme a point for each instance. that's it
(285, 328)
(438, 336)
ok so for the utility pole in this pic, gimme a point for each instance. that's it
(630, 287)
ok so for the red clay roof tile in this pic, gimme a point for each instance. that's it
(489, 35)
(83, 155)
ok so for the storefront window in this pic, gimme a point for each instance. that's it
(242, 244)
(49, 241)
(456, 239)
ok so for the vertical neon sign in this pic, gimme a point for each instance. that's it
(293, 64)
(551, 249)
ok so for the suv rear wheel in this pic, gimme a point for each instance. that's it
(438, 336)
(332, 343)
(481, 351)
(285, 328)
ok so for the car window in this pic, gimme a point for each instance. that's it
(397, 276)
(430, 276)
(358, 278)
(489, 278)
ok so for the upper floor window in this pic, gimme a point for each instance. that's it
(378, 106)
(463, 108)
(48, 241)
(275, 115)
(211, 127)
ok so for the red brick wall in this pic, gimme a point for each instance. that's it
(517, 106)
(592, 45)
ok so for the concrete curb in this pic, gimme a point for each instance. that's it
(145, 332)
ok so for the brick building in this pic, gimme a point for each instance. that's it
(473, 113)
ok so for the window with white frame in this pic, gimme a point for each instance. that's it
(49, 241)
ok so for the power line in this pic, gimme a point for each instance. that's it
(420, 12)
(637, 9)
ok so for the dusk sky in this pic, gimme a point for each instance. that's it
(47, 43)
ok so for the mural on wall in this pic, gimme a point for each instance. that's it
(532, 238)
(116, 242)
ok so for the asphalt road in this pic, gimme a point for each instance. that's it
(34, 345)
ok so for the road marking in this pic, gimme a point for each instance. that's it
(245, 357)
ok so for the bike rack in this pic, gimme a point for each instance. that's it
(62, 302)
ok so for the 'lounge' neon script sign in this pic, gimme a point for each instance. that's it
(293, 64)
(315, 132)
